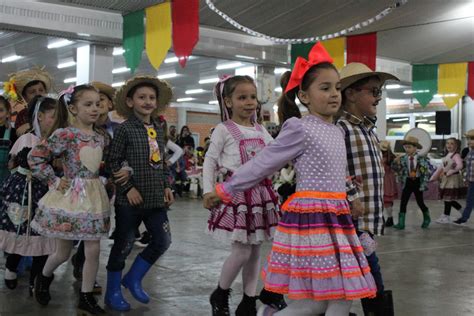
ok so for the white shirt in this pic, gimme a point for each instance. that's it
(177, 151)
(224, 152)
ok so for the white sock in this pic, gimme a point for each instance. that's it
(60, 255)
(10, 275)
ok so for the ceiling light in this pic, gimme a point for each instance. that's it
(229, 65)
(11, 58)
(278, 89)
(70, 80)
(66, 64)
(120, 70)
(401, 119)
(167, 76)
(209, 80)
(421, 120)
(175, 59)
(118, 51)
(445, 95)
(213, 102)
(393, 86)
(118, 84)
(194, 91)
(60, 43)
(84, 34)
(245, 57)
(432, 122)
(184, 99)
(278, 71)
(415, 91)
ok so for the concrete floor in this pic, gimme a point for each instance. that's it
(431, 272)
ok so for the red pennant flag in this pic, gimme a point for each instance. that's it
(470, 79)
(362, 49)
(185, 16)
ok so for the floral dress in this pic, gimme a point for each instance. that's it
(82, 212)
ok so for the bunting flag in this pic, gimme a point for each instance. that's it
(470, 79)
(452, 82)
(362, 49)
(133, 38)
(158, 32)
(300, 50)
(185, 28)
(336, 48)
(424, 83)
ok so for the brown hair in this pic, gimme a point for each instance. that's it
(287, 107)
(6, 103)
(228, 87)
(134, 89)
(457, 142)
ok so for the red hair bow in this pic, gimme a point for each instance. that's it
(317, 55)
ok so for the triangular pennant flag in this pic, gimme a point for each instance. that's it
(335, 48)
(362, 49)
(424, 83)
(300, 50)
(452, 82)
(470, 79)
(158, 32)
(133, 40)
(185, 28)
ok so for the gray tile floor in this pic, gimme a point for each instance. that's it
(431, 272)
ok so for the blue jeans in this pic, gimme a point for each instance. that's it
(469, 202)
(126, 220)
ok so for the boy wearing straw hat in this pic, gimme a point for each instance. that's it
(361, 93)
(469, 179)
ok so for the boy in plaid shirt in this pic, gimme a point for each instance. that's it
(143, 196)
(469, 180)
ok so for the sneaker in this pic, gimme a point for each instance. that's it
(460, 222)
(443, 219)
(144, 241)
(266, 310)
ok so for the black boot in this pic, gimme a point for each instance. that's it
(381, 305)
(88, 305)
(220, 302)
(389, 222)
(247, 307)
(275, 300)
(42, 289)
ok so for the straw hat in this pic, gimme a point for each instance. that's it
(22, 78)
(164, 94)
(384, 145)
(410, 140)
(470, 133)
(353, 72)
(104, 88)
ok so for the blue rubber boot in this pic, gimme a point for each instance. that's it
(133, 279)
(113, 295)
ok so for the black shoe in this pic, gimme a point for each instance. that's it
(381, 305)
(42, 289)
(144, 240)
(389, 222)
(11, 284)
(220, 302)
(275, 300)
(88, 305)
(77, 271)
(457, 222)
(247, 307)
(97, 290)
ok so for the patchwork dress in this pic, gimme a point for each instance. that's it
(316, 253)
(82, 212)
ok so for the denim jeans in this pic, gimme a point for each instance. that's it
(469, 202)
(126, 221)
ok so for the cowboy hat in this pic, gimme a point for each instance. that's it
(104, 88)
(384, 145)
(470, 133)
(410, 140)
(353, 72)
(22, 78)
(164, 94)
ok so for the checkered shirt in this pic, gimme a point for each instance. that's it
(130, 144)
(364, 161)
(470, 166)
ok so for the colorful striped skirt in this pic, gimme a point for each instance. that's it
(316, 253)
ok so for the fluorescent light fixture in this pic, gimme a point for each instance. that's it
(70, 80)
(245, 57)
(229, 65)
(118, 51)
(11, 58)
(432, 122)
(167, 76)
(278, 89)
(213, 102)
(393, 86)
(421, 120)
(118, 84)
(184, 99)
(60, 43)
(401, 119)
(279, 70)
(415, 91)
(66, 64)
(446, 95)
(194, 91)
(120, 70)
(209, 80)
(84, 34)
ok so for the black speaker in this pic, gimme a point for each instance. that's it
(443, 122)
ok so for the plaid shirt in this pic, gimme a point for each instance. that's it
(130, 144)
(364, 161)
(470, 166)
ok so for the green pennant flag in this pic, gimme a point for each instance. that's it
(424, 83)
(300, 50)
(133, 38)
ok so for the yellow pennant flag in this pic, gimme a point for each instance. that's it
(452, 82)
(158, 32)
(335, 48)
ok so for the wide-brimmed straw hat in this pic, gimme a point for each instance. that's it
(470, 133)
(164, 94)
(353, 72)
(22, 78)
(104, 88)
(410, 140)
(384, 145)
